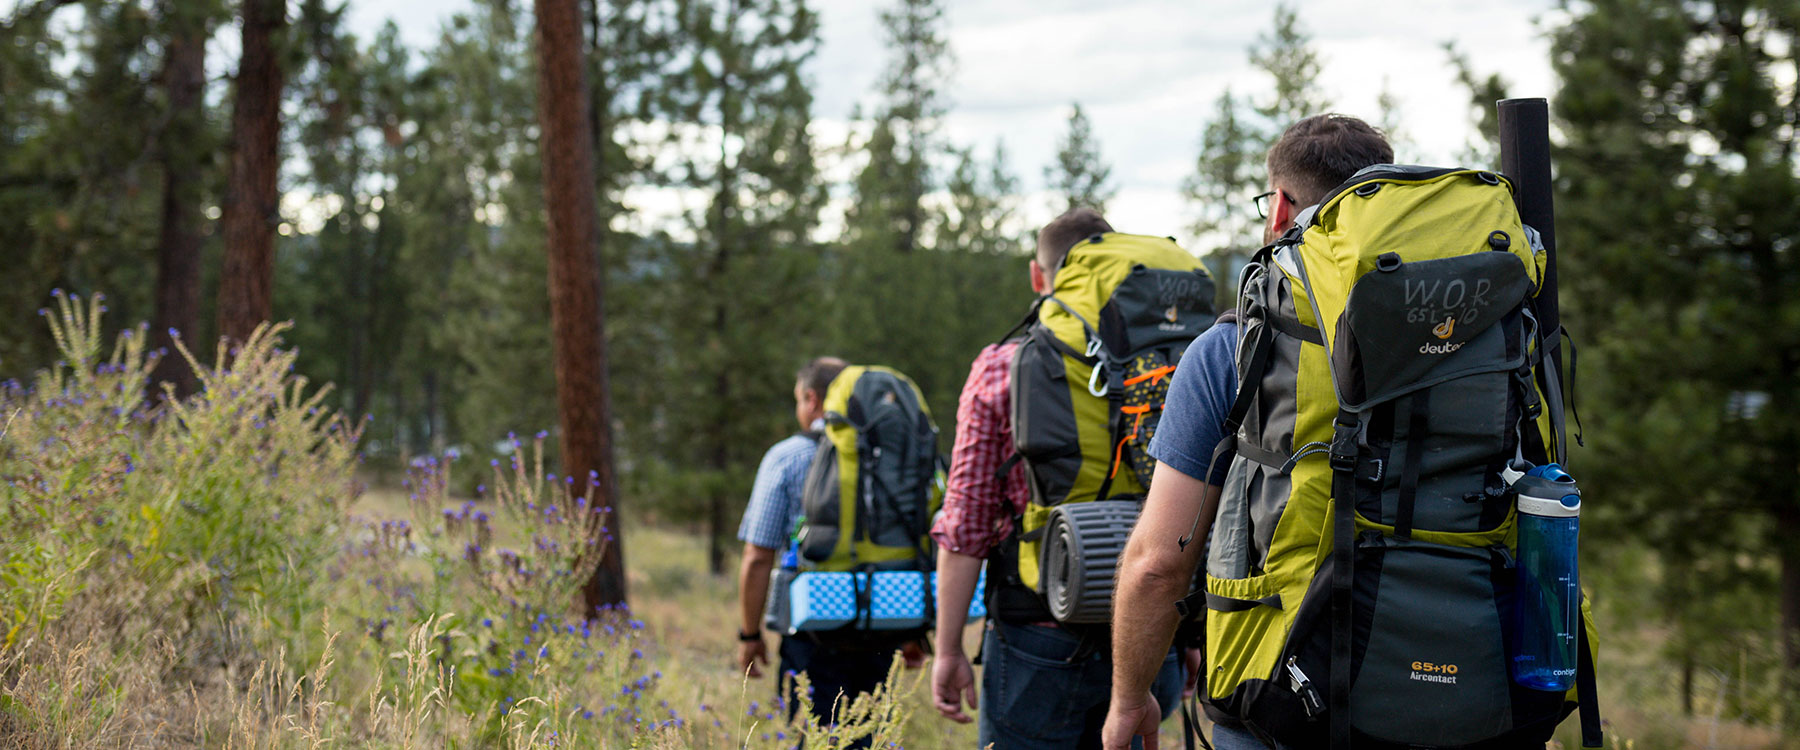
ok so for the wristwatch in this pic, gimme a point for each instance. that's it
(750, 637)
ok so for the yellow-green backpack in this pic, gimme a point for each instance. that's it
(873, 486)
(1086, 388)
(1359, 577)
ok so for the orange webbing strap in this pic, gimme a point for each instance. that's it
(1138, 421)
(1155, 374)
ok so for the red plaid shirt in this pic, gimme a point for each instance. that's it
(978, 507)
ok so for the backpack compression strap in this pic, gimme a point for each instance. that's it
(1343, 523)
(1591, 735)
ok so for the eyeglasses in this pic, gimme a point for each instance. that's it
(1262, 202)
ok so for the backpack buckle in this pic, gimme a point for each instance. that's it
(1344, 445)
(1303, 687)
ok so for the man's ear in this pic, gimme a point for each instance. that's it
(1040, 283)
(1282, 213)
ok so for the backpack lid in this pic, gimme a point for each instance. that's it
(1093, 269)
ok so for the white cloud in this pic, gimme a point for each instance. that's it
(1146, 71)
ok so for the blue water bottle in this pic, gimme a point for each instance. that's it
(1544, 648)
(778, 611)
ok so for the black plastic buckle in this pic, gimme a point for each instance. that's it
(1343, 446)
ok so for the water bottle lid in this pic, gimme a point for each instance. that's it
(1566, 506)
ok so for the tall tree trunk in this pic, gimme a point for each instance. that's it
(721, 463)
(252, 203)
(1787, 530)
(577, 325)
(178, 248)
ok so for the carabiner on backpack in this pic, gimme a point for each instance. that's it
(1096, 383)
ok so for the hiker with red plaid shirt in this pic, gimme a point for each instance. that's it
(1043, 685)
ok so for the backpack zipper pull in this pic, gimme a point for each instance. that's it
(1303, 687)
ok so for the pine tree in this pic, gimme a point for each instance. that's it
(730, 304)
(80, 173)
(1234, 142)
(1079, 174)
(1226, 174)
(983, 216)
(1286, 54)
(182, 149)
(905, 129)
(1387, 118)
(567, 150)
(253, 199)
(1678, 181)
(1484, 150)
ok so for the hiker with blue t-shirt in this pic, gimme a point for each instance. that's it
(1310, 158)
(836, 674)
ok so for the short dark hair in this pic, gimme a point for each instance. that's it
(1055, 239)
(1318, 153)
(817, 375)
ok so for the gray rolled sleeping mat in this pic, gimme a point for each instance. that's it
(1082, 546)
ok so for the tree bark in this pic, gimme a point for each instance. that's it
(178, 247)
(577, 324)
(1787, 529)
(252, 202)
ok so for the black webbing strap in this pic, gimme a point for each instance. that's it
(865, 610)
(1250, 380)
(1585, 691)
(1031, 316)
(1295, 328)
(1415, 454)
(1190, 724)
(1013, 460)
(1263, 456)
(1573, 412)
(1343, 491)
(1219, 603)
(1192, 604)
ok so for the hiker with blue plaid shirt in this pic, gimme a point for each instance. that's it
(835, 673)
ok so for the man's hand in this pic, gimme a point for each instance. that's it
(1193, 660)
(749, 653)
(952, 682)
(914, 654)
(1128, 719)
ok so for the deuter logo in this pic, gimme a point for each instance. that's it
(1439, 348)
(1173, 316)
(1444, 329)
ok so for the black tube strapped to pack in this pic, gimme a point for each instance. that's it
(1344, 450)
(1525, 158)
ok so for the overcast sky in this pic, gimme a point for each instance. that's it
(1148, 72)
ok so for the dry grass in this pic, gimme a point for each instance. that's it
(206, 575)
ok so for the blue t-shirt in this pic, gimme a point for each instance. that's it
(1200, 396)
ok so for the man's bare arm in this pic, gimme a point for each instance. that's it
(753, 594)
(1154, 573)
(952, 678)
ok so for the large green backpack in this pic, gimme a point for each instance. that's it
(873, 485)
(1086, 388)
(1360, 575)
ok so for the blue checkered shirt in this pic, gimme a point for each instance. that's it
(775, 499)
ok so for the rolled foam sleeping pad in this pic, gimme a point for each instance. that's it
(1082, 545)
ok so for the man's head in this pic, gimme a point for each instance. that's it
(1057, 237)
(1313, 156)
(810, 385)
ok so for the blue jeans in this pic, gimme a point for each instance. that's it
(1230, 738)
(835, 674)
(1040, 692)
